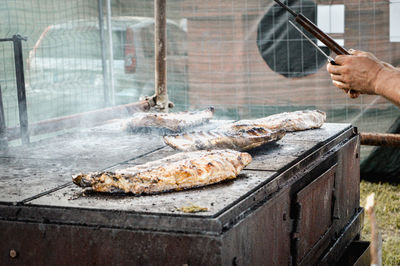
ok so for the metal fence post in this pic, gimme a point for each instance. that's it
(19, 75)
(3, 132)
(103, 54)
(110, 54)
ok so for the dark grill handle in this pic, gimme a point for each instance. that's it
(320, 35)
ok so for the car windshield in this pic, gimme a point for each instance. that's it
(78, 43)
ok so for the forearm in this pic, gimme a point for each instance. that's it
(388, 84)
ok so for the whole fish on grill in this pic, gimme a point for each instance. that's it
(240, 140)
(247, 134)
(176, 172)
(288, 121)
(167, 122)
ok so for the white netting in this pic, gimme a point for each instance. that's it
(214, 56)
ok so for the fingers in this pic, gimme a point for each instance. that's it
(345, 87)
(340, 85)
(354, 52)
(339, 72)
(353, 94)
(341, 59)
(333, 69)
(338, 78)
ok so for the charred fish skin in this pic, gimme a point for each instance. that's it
(166, 123)
(82, 180)
(288, 121)
(176, 172)
(239, 140)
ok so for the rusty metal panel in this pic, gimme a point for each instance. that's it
(51, 244)
(348, 233)
(263, 237)
(314, 212)
(345, 197)
(358, 253)
(348, 180)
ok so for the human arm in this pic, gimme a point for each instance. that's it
(364, 73)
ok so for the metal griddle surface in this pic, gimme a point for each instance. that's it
(46, 167)
(215, 197)
(28, 171)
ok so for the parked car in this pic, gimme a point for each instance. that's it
(66, 60)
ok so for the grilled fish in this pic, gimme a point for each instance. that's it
(176, 172)
(167, 122)
(240, 140)
(244, 135)
(289, 121)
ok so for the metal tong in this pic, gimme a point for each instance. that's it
(320, 35)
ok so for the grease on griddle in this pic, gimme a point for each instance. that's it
(192, 209)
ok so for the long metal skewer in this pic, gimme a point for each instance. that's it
(330, 59)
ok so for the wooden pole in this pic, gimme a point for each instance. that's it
(380, 139)
(376, 241)
(160, 46)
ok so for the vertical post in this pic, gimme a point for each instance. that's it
(103, 54)
(160, 45)
(19, 74)
(110, 53)
(3, 132)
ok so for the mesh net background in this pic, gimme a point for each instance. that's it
(213, 58)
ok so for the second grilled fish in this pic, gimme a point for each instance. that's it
(240, 140)
(244, 135)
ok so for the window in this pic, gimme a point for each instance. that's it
(330, 19)
(283, 48)
(394, 20)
